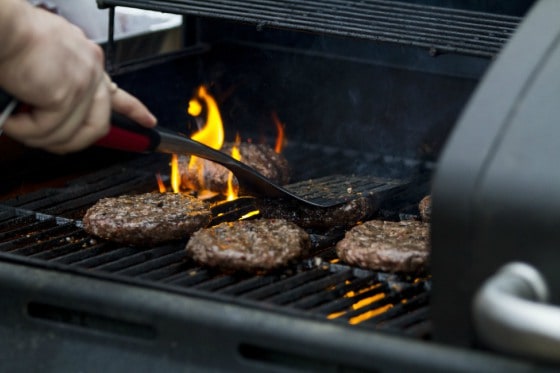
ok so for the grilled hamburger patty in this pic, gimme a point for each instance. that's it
(386, 245)
(261, 157)
(146, 219)
(249, 245)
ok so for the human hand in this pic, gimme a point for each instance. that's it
(50, 65)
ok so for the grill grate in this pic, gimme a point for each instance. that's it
(437, 28)
(318, 287)
(315, 288)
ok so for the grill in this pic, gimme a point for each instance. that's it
(44, 228)
(374, 91)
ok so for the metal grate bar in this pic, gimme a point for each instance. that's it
(216, 283)
(192, 277)
(249, 284)
(106, 257)
(311, 287)
(47, 237)
(173, 268)
(284, 285)
(159, 261)
(339, 291)
(93, 250)
(438, 28)
(137, 176)
(132, 261)
(409, 318)
(73, 245)
(22, 226)
(400, 303)
(345, 302)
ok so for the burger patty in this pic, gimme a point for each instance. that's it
(261, 157)
(146, 219)
(425, 208)
(387, 246)
(249, 245)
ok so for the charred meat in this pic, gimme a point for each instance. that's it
(146, 219)
(214, 177)
(387, 246)
(249, 245)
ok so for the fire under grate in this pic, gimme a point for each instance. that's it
(44, 229)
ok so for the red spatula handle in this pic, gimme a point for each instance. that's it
(127, 135)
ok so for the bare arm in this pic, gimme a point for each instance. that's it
(49, 64)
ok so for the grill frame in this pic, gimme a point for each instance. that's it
(144, 329)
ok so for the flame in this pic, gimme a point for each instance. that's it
(161, 184)
(363, 303)
(250, 214)
(175, 174)
(369, 314)
(212, 133)
(280, 139)
(232, 190)
(204, 109)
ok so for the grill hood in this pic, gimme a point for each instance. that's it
(497, 189)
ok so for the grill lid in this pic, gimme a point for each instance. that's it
(441, 30)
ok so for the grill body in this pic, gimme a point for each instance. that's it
(73, 322)
(367, 88)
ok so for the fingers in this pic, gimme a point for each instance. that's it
(59, 73)
(48, 129)
(93, 126)
(58, 104)
(85, 124)
(128, 105)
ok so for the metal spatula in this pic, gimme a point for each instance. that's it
(130, 136)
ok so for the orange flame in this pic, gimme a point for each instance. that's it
(363, 303)
(211, 133)
(280, 139)
(369, 314)
(161, 184)
(175, 174)
(232, 190)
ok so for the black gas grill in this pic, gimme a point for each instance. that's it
(368, 89)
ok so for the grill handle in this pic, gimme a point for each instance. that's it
(127, 135)
(124, 133)
(510, 314)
